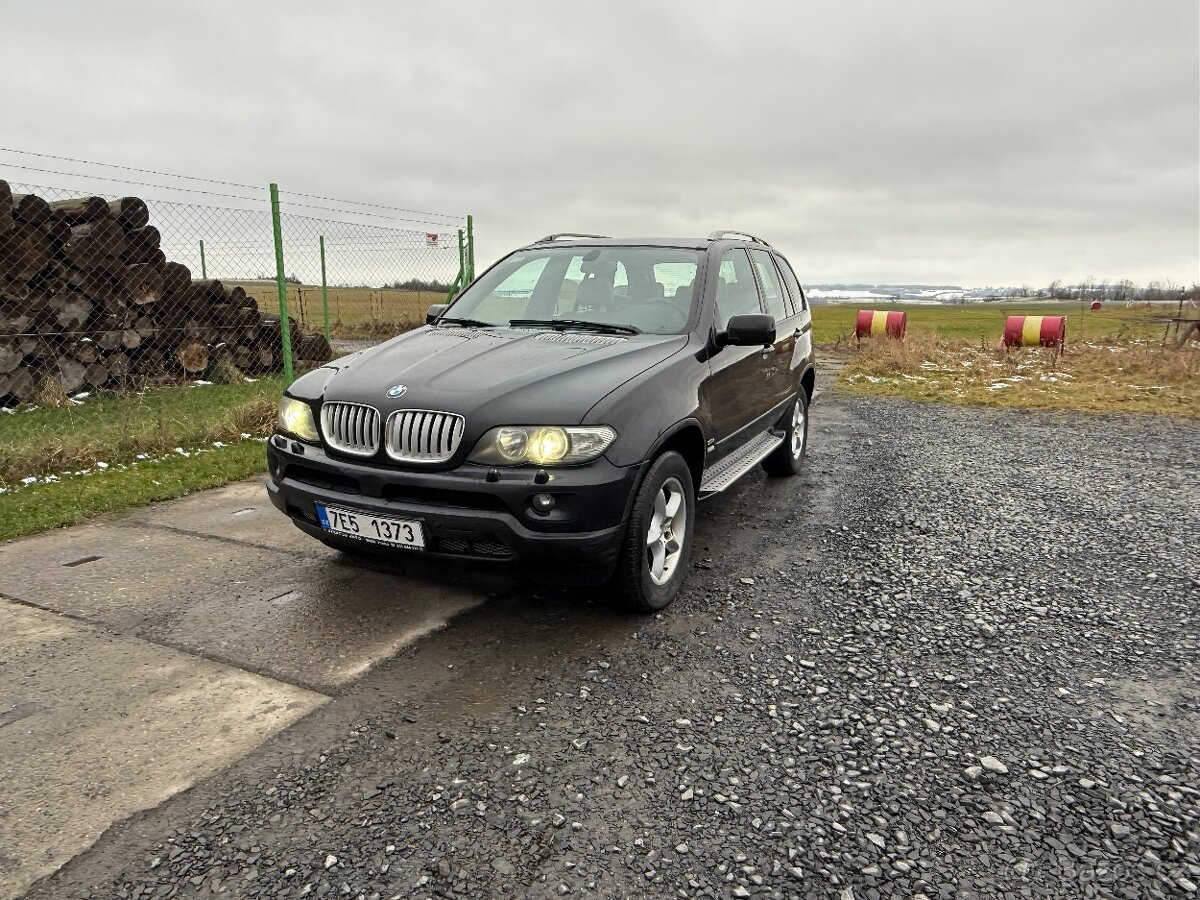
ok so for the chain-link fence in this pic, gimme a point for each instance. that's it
(116, 290)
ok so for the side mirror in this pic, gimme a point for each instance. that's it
(435, 311)
(753, 330)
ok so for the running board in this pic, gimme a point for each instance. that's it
(721, 475)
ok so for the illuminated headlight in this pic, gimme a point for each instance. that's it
(542, 445)
(296, 419)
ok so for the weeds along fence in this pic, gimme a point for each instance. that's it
(116, 289)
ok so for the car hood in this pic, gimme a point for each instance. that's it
(498, 376)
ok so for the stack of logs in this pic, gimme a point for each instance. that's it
(88, 298)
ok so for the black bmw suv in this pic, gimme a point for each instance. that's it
(568, 409)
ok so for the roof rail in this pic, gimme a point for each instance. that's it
(727, 233)
(568, 234)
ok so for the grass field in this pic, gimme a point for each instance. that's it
(984, 322)
(353, 312)
(1115, 360)
(62, 465)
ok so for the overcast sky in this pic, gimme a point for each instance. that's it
(941, 142)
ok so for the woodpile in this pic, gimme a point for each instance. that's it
(88, 299)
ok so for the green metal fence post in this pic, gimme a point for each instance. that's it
(462, 260)
(324, 290)
(470, 249)
(285, 327)
(203, 268)
(458, 279)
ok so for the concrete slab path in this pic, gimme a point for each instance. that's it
(145, 651)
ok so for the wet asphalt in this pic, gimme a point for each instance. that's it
(958, 657)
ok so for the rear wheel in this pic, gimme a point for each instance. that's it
(658, 540)
(788, 457)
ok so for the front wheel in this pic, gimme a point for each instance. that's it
(658, 540)
(788, 457)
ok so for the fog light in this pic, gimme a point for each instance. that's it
(542, 503)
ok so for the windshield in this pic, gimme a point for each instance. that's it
(645, 289)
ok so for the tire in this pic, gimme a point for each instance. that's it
(668, 480)
(788, 457)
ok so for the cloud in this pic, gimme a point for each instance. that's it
(927, 140)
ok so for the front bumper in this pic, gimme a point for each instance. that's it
(465, 515)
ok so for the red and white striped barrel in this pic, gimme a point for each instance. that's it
(1035, 331)
(875, 323)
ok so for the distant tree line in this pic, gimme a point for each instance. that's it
(1111, 291)
(413, 284)
(420, 284)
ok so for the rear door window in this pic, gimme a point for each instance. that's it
(793, 286)
(772, 288)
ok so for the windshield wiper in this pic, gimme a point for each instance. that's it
(466, 323)
(581, 324)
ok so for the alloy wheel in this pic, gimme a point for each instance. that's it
(667, 530)
(798, 430)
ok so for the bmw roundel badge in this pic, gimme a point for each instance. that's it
(397, 390)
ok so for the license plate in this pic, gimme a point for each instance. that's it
(372, 529)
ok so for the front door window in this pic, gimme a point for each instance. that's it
(737, 294)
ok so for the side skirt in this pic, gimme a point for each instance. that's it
(724, 473)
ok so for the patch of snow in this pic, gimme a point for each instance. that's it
(34, 479)
(818, 294)
(874, 379)
(103, 468)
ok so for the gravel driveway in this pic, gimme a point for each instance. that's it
(959, 658)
